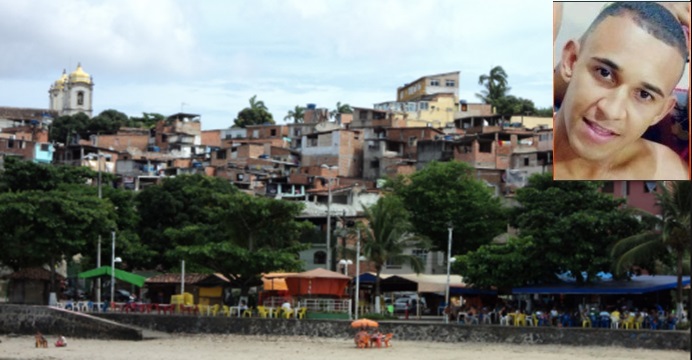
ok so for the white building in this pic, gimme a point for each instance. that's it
(73, 93)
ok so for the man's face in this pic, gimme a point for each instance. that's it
(620, 84)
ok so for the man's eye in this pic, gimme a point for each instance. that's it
(603, 72)
(645, 95)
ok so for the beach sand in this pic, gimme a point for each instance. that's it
(201, 347)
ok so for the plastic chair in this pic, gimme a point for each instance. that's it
(287, 313)
(262, 311)
(247, 312)
(301, 313)
(628, 323)
(520, 319)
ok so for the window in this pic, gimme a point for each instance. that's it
(449, 83)
(434, 82)
(649, 186)
(423, 105)
(273, 132)
(374, 164)
(608, 187)
(391, 264)
(422, 255)
(80, 98)
(412, 141)
(10, 143)
(362, 115)
(221, 154)
(485, 147)
(45, 147)
(320, 257)
(545, 137)
(526, 161)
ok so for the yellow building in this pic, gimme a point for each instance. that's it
(431, 100)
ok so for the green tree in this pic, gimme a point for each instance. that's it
(511, 105)
(668, 240)
(175, 204)
(42, 227)
(340, 109)
(21, 175)
(501, 265)
(445, 192)
(296, 114)
(256, 114)
(495, 83)
(146, 121)
(387, 233)
(107, 122)
(572, 225)
(245, 237)
(67, 129)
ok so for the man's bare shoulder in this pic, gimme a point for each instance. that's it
(668, 164)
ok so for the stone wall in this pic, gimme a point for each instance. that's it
(27, 320)
(414, 331)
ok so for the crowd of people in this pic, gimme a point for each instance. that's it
(613, 316)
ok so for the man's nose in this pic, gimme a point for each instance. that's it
(612, 105)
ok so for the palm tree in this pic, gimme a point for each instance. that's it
(668, 240)
(340, 109)
(387, 233)
(296, 114)
(257, 105)
(495, 84)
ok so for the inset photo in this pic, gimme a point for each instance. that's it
(621, 91)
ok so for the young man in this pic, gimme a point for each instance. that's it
(620, 79)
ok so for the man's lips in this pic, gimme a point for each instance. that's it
(599, 130)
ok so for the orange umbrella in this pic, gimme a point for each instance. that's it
(364, 323)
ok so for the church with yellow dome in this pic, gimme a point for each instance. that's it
(73, 93)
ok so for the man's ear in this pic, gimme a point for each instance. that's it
(671, 100)
(569, 57)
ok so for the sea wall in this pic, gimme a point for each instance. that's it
(414, 331)
(28, 319)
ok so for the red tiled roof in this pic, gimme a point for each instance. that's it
(175, 278)
(34, 274)
(14, 113)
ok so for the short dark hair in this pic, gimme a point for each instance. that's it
(650, 16)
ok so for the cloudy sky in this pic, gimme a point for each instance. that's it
(210, 56)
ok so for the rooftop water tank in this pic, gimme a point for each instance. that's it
(312, 106)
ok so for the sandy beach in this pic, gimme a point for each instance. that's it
(199, 347)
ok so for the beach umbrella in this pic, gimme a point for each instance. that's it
(364, 323)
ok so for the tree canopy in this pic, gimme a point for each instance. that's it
(256, 114)
(445, 192)
(213, 226)
(387, 233)
(296, 114)
(495, 84)
(573, 225)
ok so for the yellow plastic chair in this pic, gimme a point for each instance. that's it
(628, 323)
(188, 299)
(585, 322)
(262, 312)
(520, 319)
(276, 313)
(214, 309)
(638, 322)
(301, 312)
(178, 301)
(226, 310)
(247, 312)
(287, 313)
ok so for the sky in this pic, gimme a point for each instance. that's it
(209, 57)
